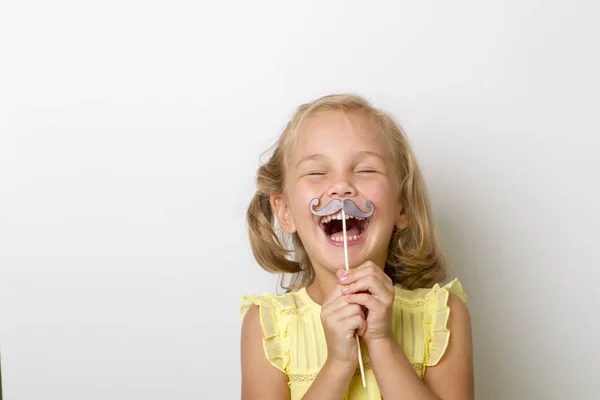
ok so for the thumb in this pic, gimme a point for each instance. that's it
(362, 328)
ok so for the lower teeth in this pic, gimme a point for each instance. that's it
(341, 238)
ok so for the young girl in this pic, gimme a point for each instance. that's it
(415, 336)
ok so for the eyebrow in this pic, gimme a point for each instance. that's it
(317, 156)
(309, 158)
(372, 154)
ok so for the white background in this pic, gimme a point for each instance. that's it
(130, 135)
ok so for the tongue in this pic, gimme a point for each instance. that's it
(351, 232)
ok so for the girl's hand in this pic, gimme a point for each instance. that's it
(368, 286)
(341, 321)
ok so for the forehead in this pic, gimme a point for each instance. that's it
(337, 132)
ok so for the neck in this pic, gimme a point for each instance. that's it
(322, 286)
(325, 280)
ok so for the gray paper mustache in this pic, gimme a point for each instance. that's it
(336, 205)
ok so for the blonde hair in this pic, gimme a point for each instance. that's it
(414, 257)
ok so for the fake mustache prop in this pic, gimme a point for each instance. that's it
(336, 205)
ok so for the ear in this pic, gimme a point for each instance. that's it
(282, 213)
(401, 219)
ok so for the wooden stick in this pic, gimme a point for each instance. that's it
(360, 360)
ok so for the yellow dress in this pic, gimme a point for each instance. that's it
(294, 341)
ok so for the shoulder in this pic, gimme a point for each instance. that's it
(443, 310)
(450, 350)
(266, 318)
(252, 334)
(252, 330)
(459, 313)
(458, 326)
(430, 298)
(268, 302)
(263, 361)
(447, 340)
(251, 320)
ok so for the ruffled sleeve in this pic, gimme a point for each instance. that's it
(274, 326)
(437, 313)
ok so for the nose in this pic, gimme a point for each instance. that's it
(341, 187)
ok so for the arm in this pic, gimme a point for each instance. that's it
(451, 379)
(260, 379)
(331, 383)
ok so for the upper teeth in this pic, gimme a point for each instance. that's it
(338, 216)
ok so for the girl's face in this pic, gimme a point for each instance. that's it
(340, 155)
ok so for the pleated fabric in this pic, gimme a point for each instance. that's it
(294, 340)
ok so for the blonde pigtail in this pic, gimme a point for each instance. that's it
(268, 250)
(414, 258)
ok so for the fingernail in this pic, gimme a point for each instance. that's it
(343, 277)
(345, 289)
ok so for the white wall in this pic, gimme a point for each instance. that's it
(130, 134)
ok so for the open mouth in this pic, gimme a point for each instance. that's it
(332, 227)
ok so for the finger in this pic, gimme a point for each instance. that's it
(333, 295)
(348, 311)
(367, 300)
(353, 324)
(373, 285)
(335, 301)
(362, 328)
(364, 270)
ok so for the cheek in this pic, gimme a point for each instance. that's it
(379, 192)
(386, 201)
(299, 199)
(308, 190)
